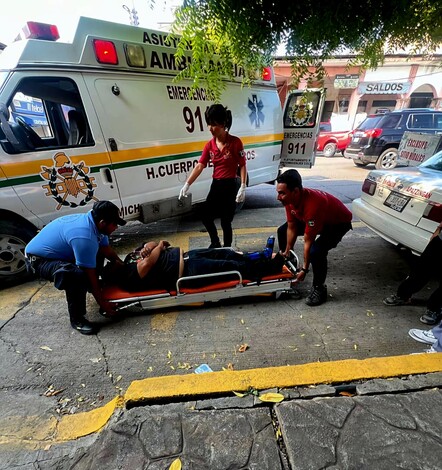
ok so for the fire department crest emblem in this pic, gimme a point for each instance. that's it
(68, 183)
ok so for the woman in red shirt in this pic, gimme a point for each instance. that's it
(226, 153)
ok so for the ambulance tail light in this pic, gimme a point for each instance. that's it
(267, 74)
(433, 212)
(34, 30)
(105, 52)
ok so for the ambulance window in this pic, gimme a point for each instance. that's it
(45, 113)
(301, 110)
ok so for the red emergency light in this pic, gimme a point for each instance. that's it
(34, 30)
(267, 74)
(105, 52)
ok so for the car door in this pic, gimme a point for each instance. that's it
(60, 163)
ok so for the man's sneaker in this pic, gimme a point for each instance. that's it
(85, 327)
(423, 336)
(317, 296)
(395, 300)
(430, 317)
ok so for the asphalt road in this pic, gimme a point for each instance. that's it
(40, 355)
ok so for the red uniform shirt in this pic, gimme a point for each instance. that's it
(316, 209)
(226, 161)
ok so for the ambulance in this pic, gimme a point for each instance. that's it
(102, 118)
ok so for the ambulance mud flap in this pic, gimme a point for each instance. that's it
(152, 211)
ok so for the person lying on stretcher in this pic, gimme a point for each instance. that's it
(159, 266)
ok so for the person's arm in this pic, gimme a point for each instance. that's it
(291, 238)
(241, 195)
(109, 253)
(148, 262)
(243, 174)
(308, 241)
(193, 176)
(106, 306)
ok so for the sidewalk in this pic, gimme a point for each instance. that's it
(359, 424)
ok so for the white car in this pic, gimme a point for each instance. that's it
(403, 206)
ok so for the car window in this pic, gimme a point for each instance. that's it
(438, 121)
(420, 121)
(45, 113)
(370, 123)
(434, 162)
(390, 121)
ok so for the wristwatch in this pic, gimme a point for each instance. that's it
(305, 270)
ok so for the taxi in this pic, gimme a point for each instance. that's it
(403, 206)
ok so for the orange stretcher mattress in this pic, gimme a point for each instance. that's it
(216, 290)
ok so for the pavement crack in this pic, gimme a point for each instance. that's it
(285, 463)
(20, 308)
(106, 361)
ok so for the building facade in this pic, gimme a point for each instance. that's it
(351, 94)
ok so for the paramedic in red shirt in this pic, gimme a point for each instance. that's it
(321, 218)
(226, 153)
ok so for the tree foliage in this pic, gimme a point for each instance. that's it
(247, 33)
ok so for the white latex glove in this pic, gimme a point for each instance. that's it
(241, 196)
(184, 191)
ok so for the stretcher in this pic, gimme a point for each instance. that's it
(227, 285)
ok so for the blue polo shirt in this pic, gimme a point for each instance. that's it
(74, 238)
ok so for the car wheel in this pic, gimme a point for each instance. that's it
(13, 239)
(329, 150)
(387, 160)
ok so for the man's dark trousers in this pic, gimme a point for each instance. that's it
(329, 238)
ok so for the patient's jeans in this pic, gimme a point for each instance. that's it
(208, 261)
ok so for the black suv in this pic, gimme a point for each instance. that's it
(376, 140)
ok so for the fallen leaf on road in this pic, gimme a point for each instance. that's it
(175, 465)
(240, 395)
(46, 348)
(271, 397)
(243, 348)
(169, 354)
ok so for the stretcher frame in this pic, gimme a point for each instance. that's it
(277, 284)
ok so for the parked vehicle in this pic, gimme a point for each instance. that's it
(403, 206)
(376, 140)
(330, 142)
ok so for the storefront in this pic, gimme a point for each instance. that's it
(351, 94)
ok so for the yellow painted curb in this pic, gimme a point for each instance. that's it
(82, 424)
(38, 432)
(181, 386)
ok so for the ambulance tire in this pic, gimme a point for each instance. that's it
(14, 236)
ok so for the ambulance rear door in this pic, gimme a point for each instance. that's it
(59, 164)
(302, 115)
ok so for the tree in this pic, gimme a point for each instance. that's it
(247, 32)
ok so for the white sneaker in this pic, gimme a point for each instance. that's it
(423, 336)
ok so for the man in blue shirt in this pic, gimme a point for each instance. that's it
(69, 252)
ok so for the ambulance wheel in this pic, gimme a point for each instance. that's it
(13, 239)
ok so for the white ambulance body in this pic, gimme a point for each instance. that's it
(102, 119)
